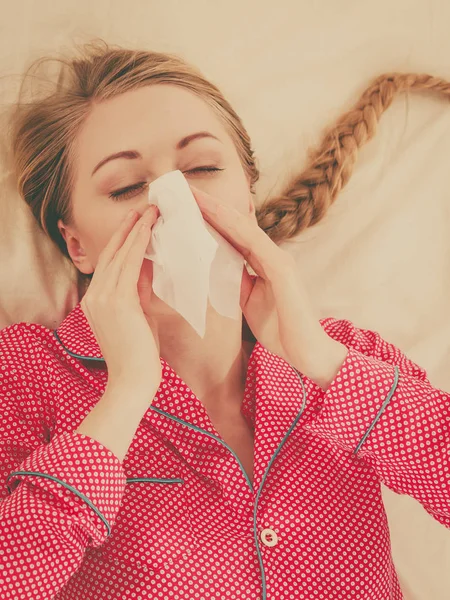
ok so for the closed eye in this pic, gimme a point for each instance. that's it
(130, 191)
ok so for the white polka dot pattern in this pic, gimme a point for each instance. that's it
(409, 443)
(67, 468)
(184, 520)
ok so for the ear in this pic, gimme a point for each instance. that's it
(75, 248)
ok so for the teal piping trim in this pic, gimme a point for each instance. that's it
(380, 412)
(55, 333)
(153, 480)
(69, 487)
(211, 435)
(263, 575)
(162, 412)
(255, 508)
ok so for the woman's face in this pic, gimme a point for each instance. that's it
(148, 123)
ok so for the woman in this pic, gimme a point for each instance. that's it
(141, 461)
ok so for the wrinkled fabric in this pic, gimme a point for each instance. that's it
(178, 517)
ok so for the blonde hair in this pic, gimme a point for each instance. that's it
(43, 132)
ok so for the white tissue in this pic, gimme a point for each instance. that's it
(191, 260)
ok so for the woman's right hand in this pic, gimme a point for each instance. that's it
(113, 308)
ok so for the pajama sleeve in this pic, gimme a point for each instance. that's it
(382, 409)
(58, 494)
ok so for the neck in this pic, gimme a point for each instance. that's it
(215, 367)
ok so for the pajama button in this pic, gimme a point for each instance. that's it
(269, 537)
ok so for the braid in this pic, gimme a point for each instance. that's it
(308, 196)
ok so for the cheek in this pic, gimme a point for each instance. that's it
(99, 236)
(96, 226)
(239, 195)
(230, 187)
(242, 200)
(102, 238)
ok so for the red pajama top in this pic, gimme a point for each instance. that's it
(178, 518)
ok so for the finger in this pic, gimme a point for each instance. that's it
(115, 267)
(116, 241)
(106, 280)
(132, 266)
(247, 285)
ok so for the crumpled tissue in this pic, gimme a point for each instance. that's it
(192, 262)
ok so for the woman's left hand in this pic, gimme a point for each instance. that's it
(275, 305)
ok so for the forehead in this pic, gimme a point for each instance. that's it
(150, 119)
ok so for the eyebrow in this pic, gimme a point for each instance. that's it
(132, 154)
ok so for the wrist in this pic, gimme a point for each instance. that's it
(325, 362)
